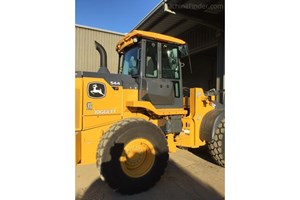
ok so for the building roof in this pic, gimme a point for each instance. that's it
(127, 40)
(98, 29)
(188, 14)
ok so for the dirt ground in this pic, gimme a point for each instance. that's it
(189, 175)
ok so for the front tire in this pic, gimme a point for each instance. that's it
(132, 155)
(217, 145)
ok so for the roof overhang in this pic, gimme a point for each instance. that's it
(188, 14)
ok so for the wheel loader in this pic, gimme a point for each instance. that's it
(127, 123)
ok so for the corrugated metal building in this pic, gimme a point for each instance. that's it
(87, 58)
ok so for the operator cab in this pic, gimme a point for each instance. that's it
(154, 61)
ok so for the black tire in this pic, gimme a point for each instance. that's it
(112, 148)
(217, 145)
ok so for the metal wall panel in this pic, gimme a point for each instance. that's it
(87, 57)
(200, 38)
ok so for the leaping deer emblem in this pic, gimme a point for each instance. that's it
(96, 91)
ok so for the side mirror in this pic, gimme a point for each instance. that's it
(183, 49)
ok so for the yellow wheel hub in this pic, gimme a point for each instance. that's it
(137, 158)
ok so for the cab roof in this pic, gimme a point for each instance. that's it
(127, 40)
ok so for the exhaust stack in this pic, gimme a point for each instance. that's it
(103, 58)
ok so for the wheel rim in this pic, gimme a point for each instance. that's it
(137, 158)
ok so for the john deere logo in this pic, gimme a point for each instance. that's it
(96, 90)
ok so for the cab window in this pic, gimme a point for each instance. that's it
(151, 60)
(170, 63)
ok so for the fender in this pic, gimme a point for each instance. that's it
(210, 122)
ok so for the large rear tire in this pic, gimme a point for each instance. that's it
(132, 155)
(217, 145)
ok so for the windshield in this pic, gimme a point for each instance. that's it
(130, 63)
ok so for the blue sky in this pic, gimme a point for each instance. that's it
(114, 15)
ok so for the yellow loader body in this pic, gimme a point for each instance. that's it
(95, 116)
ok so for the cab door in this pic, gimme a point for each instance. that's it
(160, 78)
